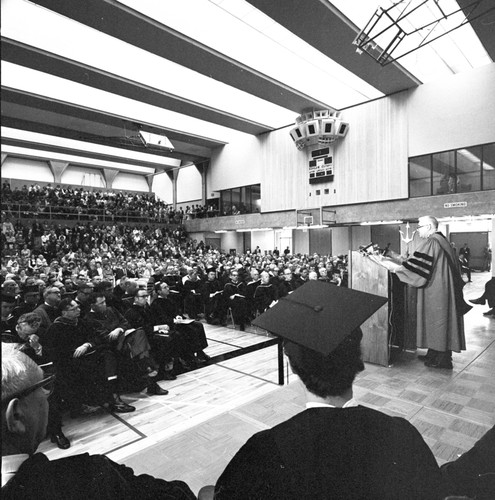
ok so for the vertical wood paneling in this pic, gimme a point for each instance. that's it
(370, 162)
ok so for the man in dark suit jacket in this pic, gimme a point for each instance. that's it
(335, 448)
(30, 475)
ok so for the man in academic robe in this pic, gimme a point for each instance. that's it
(30, 475)
(163, 348)
(251, 286)
(335, 448)
(234, 294)
(193, 299)
(288, 285)
(434, 271)
(130, 345)
(188, 336)
(86, 368)
(48, 311)
(265, 293)
(30, 299)
(212, 297)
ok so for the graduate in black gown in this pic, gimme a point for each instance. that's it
(189, 335)
(335, 448)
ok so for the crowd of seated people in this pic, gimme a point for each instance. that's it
(68, 202)
(199, 212)
(118, 308)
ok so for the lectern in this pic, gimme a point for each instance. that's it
(393, 324)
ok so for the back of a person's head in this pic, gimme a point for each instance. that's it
(330, 375)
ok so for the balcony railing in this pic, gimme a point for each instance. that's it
(25, 211)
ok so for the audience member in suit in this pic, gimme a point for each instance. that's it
(26, 340)
(86, 368)
(335, 448)
(188, 336)
(48, 311)
(234, 294)
(163, 348)
(212, 297)
(30, 475)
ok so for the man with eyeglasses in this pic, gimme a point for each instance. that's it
(87, 369)
(25, 338)
(30, 475)
(83, 295)
(433, 270)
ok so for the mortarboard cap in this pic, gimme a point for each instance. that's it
(319, 315)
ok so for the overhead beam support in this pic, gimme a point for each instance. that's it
(58, 168)
(124, 23)
(109, 175)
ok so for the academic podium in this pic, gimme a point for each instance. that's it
(392, 328)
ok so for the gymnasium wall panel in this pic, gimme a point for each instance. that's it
(370, 163)
(80, 176)
(162, 187)
(452, 113)
(26, 169)
(130, 182)
(188, 184)
(234, 165)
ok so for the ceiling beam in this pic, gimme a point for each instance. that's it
(324, 27)
(53, 64)
(123, 23)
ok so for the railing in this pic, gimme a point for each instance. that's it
(24, 211)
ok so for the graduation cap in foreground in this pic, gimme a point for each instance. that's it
(319, 315)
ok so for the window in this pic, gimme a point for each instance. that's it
(241, 200)
(444, 175)
(420, 176)
(469, 169)
(488, 168)
(457, 171)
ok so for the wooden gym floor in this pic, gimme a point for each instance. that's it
(192, 433)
